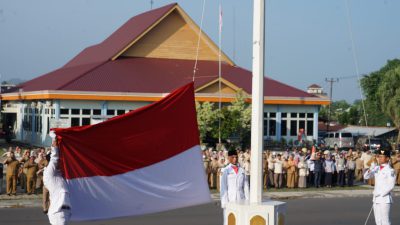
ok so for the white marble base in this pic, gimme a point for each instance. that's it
(244, 213)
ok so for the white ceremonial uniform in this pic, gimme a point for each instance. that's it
(233, 186)
(382, 199)
(60, 206)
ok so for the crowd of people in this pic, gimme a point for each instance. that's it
(24, 168)
(301, 167)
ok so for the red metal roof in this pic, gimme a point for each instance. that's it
(117, 41)
(149, 75)
(93, 70)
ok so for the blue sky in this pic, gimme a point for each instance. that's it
(306, 40)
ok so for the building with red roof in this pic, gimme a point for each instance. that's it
(147, 57)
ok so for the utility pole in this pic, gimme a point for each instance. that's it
(151, 4)
(330, 81)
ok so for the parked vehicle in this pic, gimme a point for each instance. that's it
(365, 143)
(339, 139)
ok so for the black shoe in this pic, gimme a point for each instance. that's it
(44, 211)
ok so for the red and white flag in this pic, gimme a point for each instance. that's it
(145, 161)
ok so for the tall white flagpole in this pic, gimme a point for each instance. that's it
(256, 211)
(257, 117)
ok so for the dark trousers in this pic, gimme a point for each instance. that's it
(317, 179)
(328, 179)
(350, 177)
(341, 177)
(310, 179)
(334, 178)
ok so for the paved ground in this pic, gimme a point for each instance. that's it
(317, 211)
(23, 200)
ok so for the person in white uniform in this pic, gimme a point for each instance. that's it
(233, 185)
(384, 183)
(60, 207)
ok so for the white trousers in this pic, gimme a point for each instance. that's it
(60, 218)
(225, 219)
(382, 213)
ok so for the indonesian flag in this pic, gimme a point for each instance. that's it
(145, 161)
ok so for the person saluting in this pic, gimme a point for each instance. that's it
(384, 184)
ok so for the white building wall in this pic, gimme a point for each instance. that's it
(273, 118)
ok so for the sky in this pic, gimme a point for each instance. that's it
(307, 41)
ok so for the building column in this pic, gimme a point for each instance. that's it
(104, 108)
(33, 125)
(57, 109)
(278, 123)
(20, 120)
(315, 131)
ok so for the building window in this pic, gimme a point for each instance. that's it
(293, 115)
(310, 128)
(48, 124)
(96, 112)
(36, 124)
(284, 115)
(302, 124)
(75, 111)
(110, 112)
(64, 111)
(272, 127)
(120, 112)
(75, 122)
(85, 121)
(272, 115)
(310, 115)
(284, 127)
(85, 111)
(265, 127)
(293, 128)
(302, 115)
(265, 115)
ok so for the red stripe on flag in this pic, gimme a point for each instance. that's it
(135, 140)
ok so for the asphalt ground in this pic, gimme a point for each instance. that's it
(318, 211)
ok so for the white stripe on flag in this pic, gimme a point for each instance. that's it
(177, 182)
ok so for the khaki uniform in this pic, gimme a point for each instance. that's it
(291, 173)
(265, 171)
(11, 175)
(214, 166)
(41, 165)
(359, 169)
(396, 167)
(31, 169)
(206, 164)
(22, 173)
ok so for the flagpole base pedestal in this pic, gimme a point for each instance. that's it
(265, 213)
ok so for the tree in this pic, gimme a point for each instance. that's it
(388, 95)
(206, 119)
(370, 85)
(235, 120)
(382, 92)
